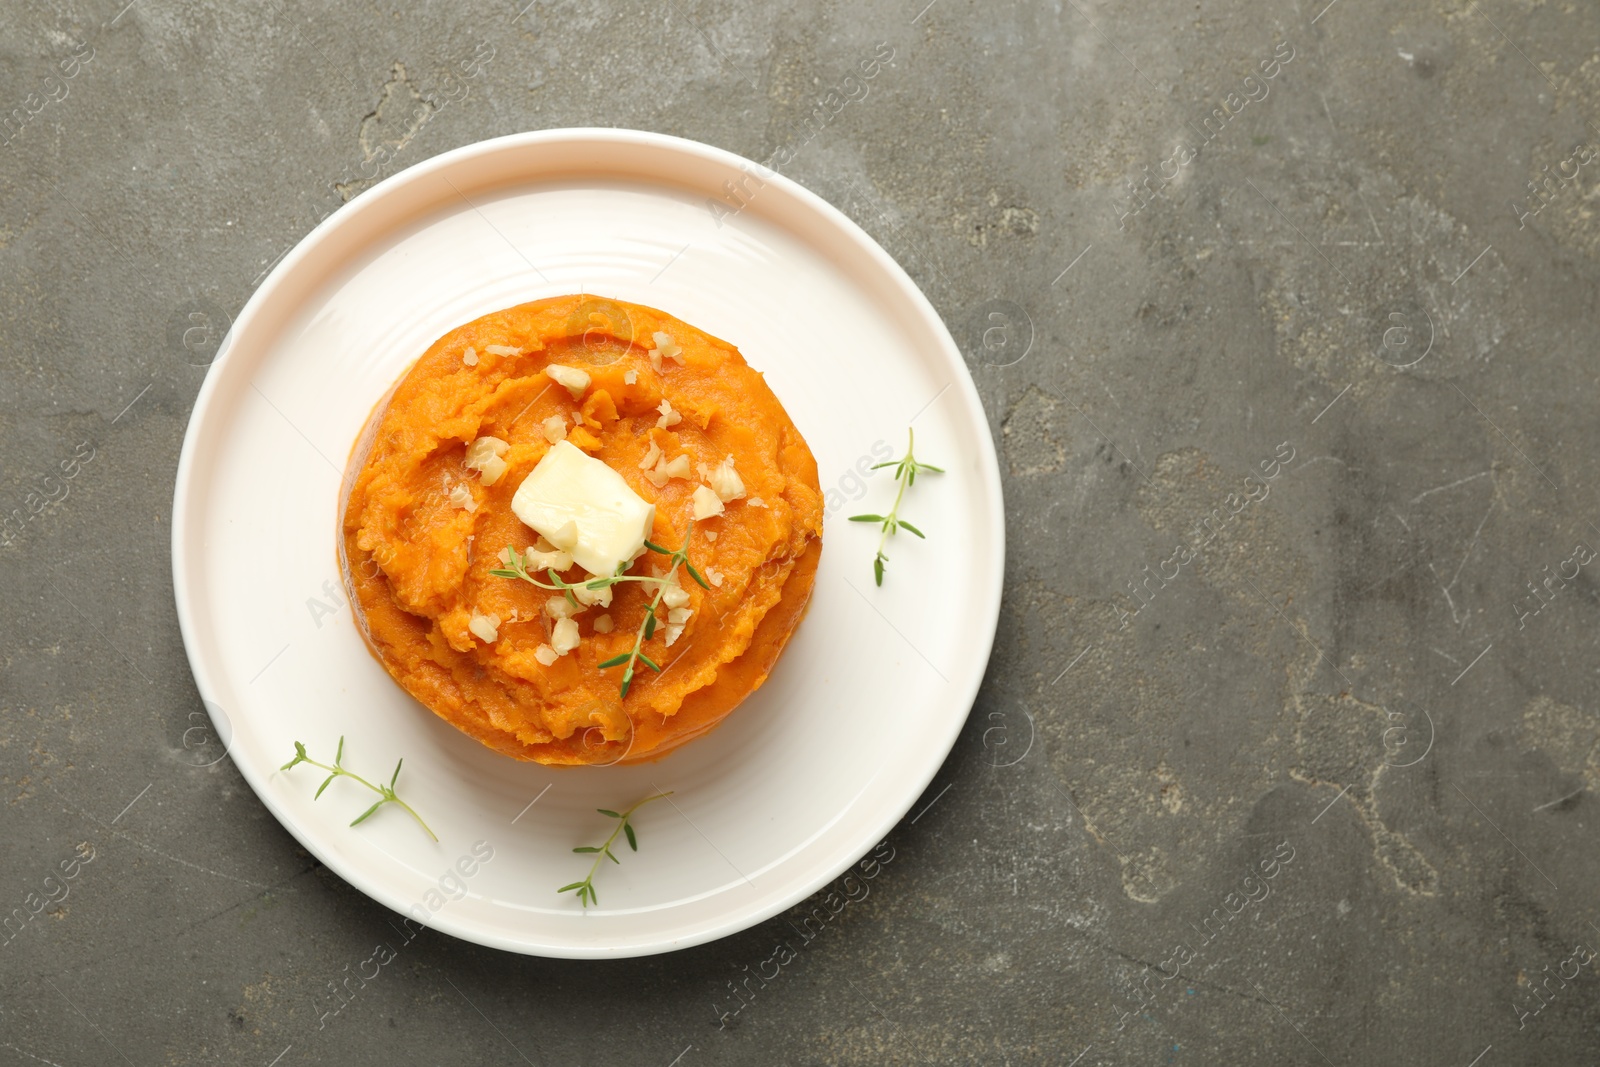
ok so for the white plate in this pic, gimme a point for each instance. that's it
(804, 778)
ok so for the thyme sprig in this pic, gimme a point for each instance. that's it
(906, 469)
(386, 794)
(516, 567)
(585, 888)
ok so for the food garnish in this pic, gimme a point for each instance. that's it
(667, 590)
(585, 888)
(386, 794)
(905, 475)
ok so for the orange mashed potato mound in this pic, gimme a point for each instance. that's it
(418, 558)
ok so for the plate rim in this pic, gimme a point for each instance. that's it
(186, 507)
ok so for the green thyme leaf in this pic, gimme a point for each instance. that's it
(905, 476)
(363, 816)
(299, 756)
(585, 889)
(386, 793)
(647, 625)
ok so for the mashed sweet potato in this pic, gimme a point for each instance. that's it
(421, 532)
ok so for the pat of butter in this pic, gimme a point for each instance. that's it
(568, 486)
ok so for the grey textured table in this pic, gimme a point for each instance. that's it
(1288, 747)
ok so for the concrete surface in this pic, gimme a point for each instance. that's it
(1322, 794)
